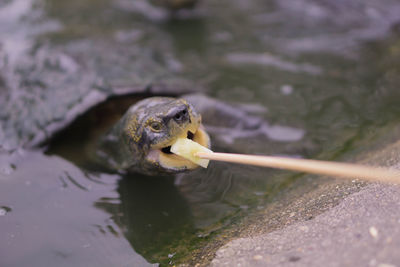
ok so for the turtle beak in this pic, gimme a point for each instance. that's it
(174, 163)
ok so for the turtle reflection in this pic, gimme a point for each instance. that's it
(152, 213)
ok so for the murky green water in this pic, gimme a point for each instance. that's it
(322, 74)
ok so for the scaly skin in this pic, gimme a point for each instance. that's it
(136, 143)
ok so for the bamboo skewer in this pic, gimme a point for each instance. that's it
(343, 170)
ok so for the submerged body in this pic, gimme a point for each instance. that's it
(141, 140)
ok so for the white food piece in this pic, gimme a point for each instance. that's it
(187, 149)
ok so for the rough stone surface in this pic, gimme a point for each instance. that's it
(363, 230)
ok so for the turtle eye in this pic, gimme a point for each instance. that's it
(155, 126)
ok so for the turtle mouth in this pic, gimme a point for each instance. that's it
(174, 163)
(167, 150)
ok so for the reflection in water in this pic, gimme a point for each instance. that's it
(165, 218)
(152, 213)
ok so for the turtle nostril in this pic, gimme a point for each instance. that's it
(182, 115)
(178, 116)
(190, 135)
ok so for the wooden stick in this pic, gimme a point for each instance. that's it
(345, 170)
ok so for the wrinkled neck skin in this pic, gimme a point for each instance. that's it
(112, 151)
(140, 141)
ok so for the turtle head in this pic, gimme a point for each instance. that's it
(153, 125)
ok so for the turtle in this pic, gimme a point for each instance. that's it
(133, 133)
(142, 138)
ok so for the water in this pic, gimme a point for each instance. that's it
(322, 75)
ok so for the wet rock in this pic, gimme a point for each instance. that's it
(360, 230)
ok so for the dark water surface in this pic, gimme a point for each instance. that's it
(322, 74)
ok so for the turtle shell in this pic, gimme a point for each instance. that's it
(50, 87)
